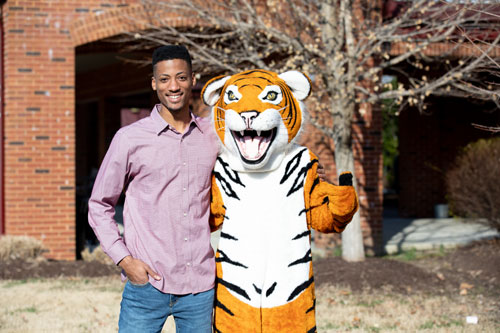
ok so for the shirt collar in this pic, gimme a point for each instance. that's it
(161, 125)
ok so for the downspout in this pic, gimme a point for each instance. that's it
(2, 115)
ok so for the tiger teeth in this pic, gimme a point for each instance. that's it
(242, 133)
(258, 133)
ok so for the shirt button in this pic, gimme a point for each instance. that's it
(185, 214)
(183, 188)
(189, 264)
(183, 163)
(185, 239)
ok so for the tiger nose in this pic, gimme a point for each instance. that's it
(248, 117)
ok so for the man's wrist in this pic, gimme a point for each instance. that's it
(124, 261)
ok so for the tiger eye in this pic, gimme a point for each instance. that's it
(271, 96)
(231, 96)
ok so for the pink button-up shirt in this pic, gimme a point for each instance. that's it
(166, 177)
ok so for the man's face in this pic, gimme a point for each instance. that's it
(173, 81)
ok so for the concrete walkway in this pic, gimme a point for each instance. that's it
(402, 234)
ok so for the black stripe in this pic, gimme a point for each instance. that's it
(301, 176)
(224, 258)
(225, 186)
(304, 234)
(258, 290)
(312, 307)
(316, 180)
(253, 84)
(233, 287)
(292, 165)
(306, 258)
(223, 307)
(271, 289)
(300, 288)
(291, 115)
(292, 109)
(254, 71)
(259, 77)
(227, 236)
(233, 175)
(312, 330)
(326, 200)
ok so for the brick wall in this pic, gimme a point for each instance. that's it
(39, 121)
(39, 129)
(428, 146)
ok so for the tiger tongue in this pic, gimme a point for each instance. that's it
(253, 148)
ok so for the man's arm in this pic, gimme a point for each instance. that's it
(107, 189)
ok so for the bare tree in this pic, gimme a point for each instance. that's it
(346, 46)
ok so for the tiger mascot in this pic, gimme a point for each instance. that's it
(266, 196)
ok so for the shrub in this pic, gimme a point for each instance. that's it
(20, 247)
(473, 184)
(97, 254)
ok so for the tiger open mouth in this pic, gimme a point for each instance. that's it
(253, 145)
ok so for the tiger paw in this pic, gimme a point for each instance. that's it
(345, 179)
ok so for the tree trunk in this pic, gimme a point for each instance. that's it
(352, 241)
(352, 237)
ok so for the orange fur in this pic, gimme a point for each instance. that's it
(217, 209)
(331, 216)
(297, 316)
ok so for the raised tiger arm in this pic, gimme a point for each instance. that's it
(329, 207)
(217, 210)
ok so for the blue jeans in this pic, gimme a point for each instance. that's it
(145, 309)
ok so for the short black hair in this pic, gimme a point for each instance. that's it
(170, 52)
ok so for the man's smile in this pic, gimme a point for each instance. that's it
(174, 97)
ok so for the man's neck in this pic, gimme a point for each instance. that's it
(179, 120)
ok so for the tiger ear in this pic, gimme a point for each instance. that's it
(212, 89)
(299, 83)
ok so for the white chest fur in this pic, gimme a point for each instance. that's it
(264, 247)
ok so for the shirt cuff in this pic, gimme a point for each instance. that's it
(118, 251)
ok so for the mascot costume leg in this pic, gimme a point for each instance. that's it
(266, 197)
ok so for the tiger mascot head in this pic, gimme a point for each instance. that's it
(257, 114)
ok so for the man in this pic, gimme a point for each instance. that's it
(163, 163)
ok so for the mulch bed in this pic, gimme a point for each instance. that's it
(23, 269)
(475, 267)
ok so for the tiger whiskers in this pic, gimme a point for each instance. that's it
(279, 110)
(223, 128)
(218, 107)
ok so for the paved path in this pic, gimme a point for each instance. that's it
(425, 234)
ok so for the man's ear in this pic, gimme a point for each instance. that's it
(153, 83)
(193, 79)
